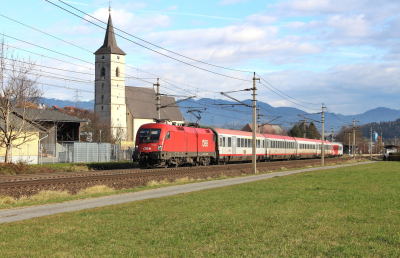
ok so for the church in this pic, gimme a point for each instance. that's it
(125, 108)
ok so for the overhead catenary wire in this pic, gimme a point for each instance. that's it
(206, 70)
(154, 45)
(87, 51)
(44, 33)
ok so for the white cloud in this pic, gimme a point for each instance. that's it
(228, 2)
(261, 19)
(125, 20)
(171, 8)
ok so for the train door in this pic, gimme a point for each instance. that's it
(234, 145)
(221, 145)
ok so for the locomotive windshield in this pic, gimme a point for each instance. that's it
(149, 135)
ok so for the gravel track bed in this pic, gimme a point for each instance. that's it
(133, 178)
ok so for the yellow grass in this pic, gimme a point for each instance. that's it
(95, 190)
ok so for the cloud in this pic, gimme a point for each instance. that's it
(125, 20)
(228, 2)
(171, 8)
(261, 19)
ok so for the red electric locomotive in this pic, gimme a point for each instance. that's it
(166, 145)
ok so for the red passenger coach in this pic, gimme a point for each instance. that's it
(165, 145)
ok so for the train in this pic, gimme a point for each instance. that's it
(163, 145)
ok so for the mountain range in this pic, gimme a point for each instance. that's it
(228, 114)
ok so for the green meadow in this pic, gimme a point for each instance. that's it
(346, 212)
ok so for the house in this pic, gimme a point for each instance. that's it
(26, 144)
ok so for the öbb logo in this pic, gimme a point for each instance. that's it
(204, 143)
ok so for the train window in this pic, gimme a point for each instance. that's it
(238, 142)
(223, 141)
(242, 140)
(167, 136)
(229, 142)
(149, 135)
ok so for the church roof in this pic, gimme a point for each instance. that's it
(142, 104)
(110, 44)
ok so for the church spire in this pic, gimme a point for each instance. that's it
(110, 44)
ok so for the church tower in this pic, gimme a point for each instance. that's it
(110, 84)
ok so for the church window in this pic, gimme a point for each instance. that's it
(102, 107)
(103, 56)
(117, 57)
(102, 98)
(102, 85)
(117, 72)
(103, 73)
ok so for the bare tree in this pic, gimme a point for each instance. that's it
(96, 128)
(18, 92)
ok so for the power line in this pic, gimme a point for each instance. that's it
(47, 49)
(227, 76)
(155, 44)
(47, 56)
(287, 98)
(44, 32)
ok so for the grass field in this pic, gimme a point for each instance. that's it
(347, 212)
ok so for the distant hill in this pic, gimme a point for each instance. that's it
(63, 103)
(231, 115)
(389, 130)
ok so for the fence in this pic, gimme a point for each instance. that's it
(83, 152)
(27, 153)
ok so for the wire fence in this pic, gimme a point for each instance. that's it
(37, 152)
(82, 152)
(27, 153)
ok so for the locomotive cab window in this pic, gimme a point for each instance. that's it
(167, 136)
(149, 135)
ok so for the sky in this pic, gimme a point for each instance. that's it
(343, 53)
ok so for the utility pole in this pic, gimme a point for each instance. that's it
(258, 120)
(370, 153)
(323, 129)
(349, 143)
(354, 139)
(254, 156)
(158, 99)
(304, 128)
(332, 135)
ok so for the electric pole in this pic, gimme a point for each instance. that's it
(332, 135)
(349, 144)
(258, 120)
(158, 99)
(254, 156)
(323, 137)
(354, 139)
(304, 128)
(370, 153)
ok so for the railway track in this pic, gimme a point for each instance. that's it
(28, 185)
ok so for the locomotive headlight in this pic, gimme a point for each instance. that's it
(136, 148)
(159, 147)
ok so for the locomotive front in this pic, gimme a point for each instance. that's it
(149, 144)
